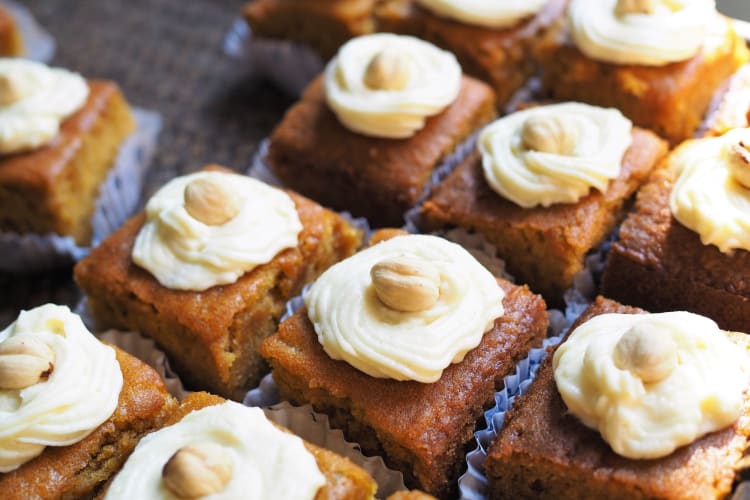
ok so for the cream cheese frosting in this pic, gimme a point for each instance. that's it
(266, 462)
(707, 197)
(428, 81)
(486, 13)
(184, 253)
(583, 148)
(674, 31)
(81, 392)
(34, 100)
(650, 383)
(354, 325)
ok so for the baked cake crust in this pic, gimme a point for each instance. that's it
(11, 42)
(344, 479)
(54, 188)
(500, 57)
(314, 154)
(544, 247)
(544, 452)
(421, 429)
(211, 337)
(323, 25)
(670, 100)
(78, 470)
(661, 265)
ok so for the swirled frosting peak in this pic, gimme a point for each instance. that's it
(210, 228)
(645, 32)
(554, 154)
(650, 383)
(712, 193)
(486, 13)
(262, 461)
(78, 392)
(416, 335)
(34, 100)
(387, 85)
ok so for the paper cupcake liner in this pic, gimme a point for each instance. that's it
(119, 197)
(38, 43)
(145, 349)
(290, 66)
(730, 106)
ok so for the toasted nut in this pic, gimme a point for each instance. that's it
(635, 7)
(739, 163)
(210, 202)
(24, 361)
(647, 352)
(388, 70)
(549, 134)
(11, 90)
(197, 470)
(405, 283)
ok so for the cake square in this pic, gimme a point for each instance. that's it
(313, 153)
(11, 42)
(671, 100)
(659, 264)
(322, 25)
(500, 57)
(420, 429)
(211, 337)
(80, 469)
(544, 247)
(542, 451)
(54, 189)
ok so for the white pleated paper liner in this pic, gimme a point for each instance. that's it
(289, 65)
(730, 106)
(119, 197)
(38, 43)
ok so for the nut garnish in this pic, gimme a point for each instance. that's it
(406, 283)
(625, 7)
(739, 163)
(648, 353)
(210, 202)
(11, 90)
(388, 70)
(24, 361)
(549, 134)
(197, 470)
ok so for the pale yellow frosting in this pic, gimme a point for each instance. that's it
(702, 394)
(486, 13)
(675, 31)
(183, 253)
(433, 83)
(266, 462)
(36, 100)
(353, 325)
(529, 178)
(707, 198)
(81, 392)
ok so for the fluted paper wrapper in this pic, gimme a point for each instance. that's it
(38, 43)
(119, 197)
(289, 65)
(315, 428)
(145, 349)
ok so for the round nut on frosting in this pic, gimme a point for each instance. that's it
(388, 70)
(406, 283)
(625, 7)
(197, 470)
(548, 134)
(739, 163)
(24, 361)
(11, 90)
(648, 353)
(210, 202)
